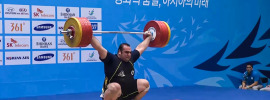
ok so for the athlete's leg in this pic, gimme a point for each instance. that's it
(143, 87)
(257, 87)
(113, 91)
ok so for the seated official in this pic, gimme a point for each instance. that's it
(251, 79)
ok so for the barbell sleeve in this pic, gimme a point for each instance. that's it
(68, 31)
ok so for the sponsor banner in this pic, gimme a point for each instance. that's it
(69, 56)
(96, 26)
(90, 56)
(43, 12)
(17, 58)
(67, 12)
(1, 11)
(0, 26)
(41, 27)
(17, 27)
(17, 42)
(61, 43)
(1, 58)
(99, 38)
(43, 42)
(16, 11)
(91, 13)
(43, 57)
(60, 26)
(1, 43)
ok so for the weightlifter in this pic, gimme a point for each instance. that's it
(119, 83)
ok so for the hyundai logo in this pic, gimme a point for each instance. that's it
(43, 57)
(10, 9)
(43, 27)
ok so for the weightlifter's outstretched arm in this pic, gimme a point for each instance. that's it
(101, 50)
(143, 45)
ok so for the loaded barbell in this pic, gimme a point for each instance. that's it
(78, 32)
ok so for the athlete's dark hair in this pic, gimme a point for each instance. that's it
(121, 46)
(250, 64)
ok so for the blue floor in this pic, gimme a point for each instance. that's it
(175, 93)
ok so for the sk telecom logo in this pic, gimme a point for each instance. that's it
(40, 13)
(12, 40)
(16, 44)
(11, 44)
(36, 14)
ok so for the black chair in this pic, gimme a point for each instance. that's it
(264, 80)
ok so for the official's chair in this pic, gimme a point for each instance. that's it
(264, 81)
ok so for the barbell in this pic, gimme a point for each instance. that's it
(78, 32)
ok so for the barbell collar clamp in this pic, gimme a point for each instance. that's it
(68, 32)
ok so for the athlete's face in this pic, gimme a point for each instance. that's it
(249, 68)
(125, 54)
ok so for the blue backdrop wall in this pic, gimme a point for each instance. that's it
(211, 41)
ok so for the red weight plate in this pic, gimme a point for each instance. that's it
(168, 35)
(87, 32)
(163, 33)
(154, 24)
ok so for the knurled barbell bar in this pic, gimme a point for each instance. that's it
(78, 32)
